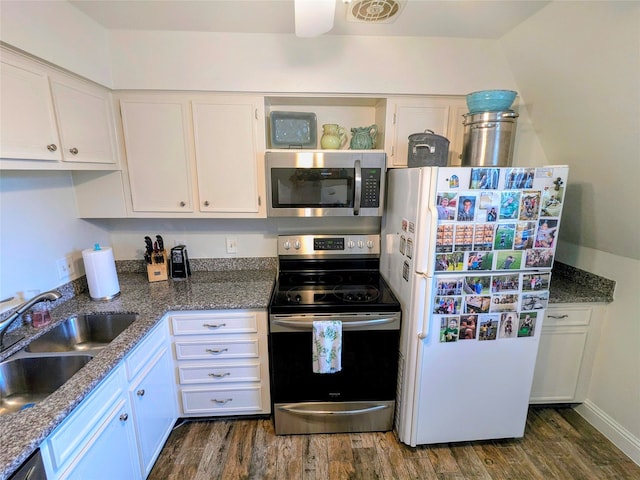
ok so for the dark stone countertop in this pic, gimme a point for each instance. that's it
(22, 432)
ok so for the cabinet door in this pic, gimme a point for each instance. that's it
(229, 162)
(455, 132)
(153, 398)
(413, 115)
(85, 120)
(156, 133)
(111, 452)
(558, 364)
(27, 117)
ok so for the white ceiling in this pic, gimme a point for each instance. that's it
(431, 18)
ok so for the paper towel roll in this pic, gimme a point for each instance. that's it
(102, 278)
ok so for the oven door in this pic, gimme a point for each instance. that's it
(359, 398)
(370, 345)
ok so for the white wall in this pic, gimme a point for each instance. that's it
(59, 33)
(285, 63)
(578, 66)
(38, 225)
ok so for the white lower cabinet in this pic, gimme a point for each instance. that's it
(97, 440)
(222, 362)
(565, 356)
(152, 396)
(118, 431)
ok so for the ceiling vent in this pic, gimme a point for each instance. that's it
(373, 11)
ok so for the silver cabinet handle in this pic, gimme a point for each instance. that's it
(221, 350)
(140, 392)
(214, 325)
(206, 203)
(221, 402)
(52, 147)
(558, 317)
(183, 204)
(74, 150)
(219, 375)
(124, 417)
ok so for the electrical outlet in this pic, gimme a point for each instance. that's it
(232, 245)
(65, 267)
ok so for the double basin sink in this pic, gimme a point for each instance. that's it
(50, 360)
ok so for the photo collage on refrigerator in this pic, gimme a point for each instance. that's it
(497, 233)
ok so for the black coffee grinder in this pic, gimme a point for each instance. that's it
(180, 262)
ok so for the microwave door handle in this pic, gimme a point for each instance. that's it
(358, 188)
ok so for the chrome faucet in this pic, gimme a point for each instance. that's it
(49, 296)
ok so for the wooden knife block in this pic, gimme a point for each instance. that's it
(158, 271)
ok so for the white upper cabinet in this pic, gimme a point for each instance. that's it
(229, 160)
(156, 133)
(197, 156)
(409, 115)
(85, 121)
(52, 121)
(29, 128)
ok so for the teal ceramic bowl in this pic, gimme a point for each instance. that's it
(490, 100)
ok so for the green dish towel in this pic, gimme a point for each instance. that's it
(327, 346)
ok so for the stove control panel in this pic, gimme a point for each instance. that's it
(324, 245)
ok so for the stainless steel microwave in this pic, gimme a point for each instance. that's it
(320, 183)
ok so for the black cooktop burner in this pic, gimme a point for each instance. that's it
(315, 291)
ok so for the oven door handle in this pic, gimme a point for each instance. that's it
(357, 188)
(306, 324)
(355, 411)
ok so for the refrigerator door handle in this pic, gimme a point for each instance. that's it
(424, 300)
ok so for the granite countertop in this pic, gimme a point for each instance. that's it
(22, 432)
(572, 285)
(248, 287)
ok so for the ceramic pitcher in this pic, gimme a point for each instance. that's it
(364, 138)
(333, 136)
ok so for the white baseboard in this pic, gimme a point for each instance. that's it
(616, 433)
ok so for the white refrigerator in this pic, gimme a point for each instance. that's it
(468, 252)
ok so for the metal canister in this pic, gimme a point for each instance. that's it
(489, 139)
(428, 149)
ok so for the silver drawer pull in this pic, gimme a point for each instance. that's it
(140, 392)
(221, 402)
(124, 417)
(219, 375)
(221, 350)
(214, 325)
(558, 317)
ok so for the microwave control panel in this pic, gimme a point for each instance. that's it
(370, 187)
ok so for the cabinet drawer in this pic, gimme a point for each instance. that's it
(139, 358)
(219, 373)
(567, 317)
(228, 322)
(221, 401)
(207, 349)
(72, 434)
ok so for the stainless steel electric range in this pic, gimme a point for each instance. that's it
(333, 277)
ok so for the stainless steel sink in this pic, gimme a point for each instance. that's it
(82, 333)
(26, 381)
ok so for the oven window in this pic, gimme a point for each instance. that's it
(369, 368)
(312, 187)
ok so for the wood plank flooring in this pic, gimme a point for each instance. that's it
(558, 444)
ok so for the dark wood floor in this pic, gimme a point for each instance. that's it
(558, 444)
